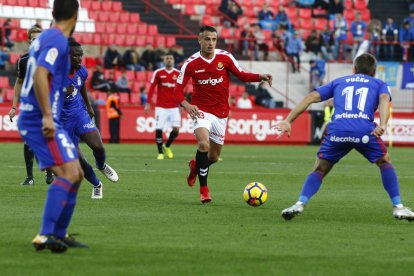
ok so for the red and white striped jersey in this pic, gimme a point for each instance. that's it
(210, 78)
(165, 81)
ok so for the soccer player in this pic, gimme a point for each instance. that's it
(42, 98)
(32, 34)
(76, 120)
(356, 97)
(167, 112)
(210, 71)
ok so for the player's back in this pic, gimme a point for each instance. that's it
(74, 101)
(356, 98)
(50, 50)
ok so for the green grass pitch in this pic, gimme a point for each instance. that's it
(151, 223)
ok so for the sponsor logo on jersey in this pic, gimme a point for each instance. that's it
(200, 71)
(26, 107)
(51, 56)
(168, 84)
(220, 66)
(346, 139)
(211, 81)
(347, 115)
(79, 81)
(89, 125)
(163, 77)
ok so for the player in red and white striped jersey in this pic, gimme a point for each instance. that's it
(210, 71)
(167, 113)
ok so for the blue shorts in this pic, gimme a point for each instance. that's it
(77, 125)
(336, 145)
(49, 152)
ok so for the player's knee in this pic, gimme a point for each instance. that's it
(203, 146)
(383, 160)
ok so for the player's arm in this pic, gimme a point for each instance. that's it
(17, 88)
(41, 88)
(285, 125)
(384, 113)
(179, 92)
(236, 70)
(85, 98)
(151, 93)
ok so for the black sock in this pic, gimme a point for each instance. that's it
(202, 166)
(211, 162)
(171, 139)
(158, 139)
(28, 160)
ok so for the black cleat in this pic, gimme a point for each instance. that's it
(49, 177)
(41, 242)
(28, 182)
(70, 241)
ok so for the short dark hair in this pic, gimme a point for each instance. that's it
(64, 9)
(208, 28)
(73, 42)
(365, 64)
(33, 30)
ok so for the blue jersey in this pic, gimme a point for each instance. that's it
(356, 98)
(51, 51)
(74, 101)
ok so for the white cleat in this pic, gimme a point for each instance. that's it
(292, 211)
(97, 191)
(110, 173)
(403, 213)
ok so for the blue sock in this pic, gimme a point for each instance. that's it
(311, 186)
(100, 158)
(390, 183)
(57, 197)
(66, 215)
(90, 174)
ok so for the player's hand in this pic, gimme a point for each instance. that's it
(147, 108)
(91, 112)
(282, 127)
(12, 113)
(192, 110)
(48, 127)
(379, 131)
(267, 78)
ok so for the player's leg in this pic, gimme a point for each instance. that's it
(90, 176)
(160, 120)
(202, 162)
(28, 161)
(49, 177)
(175, 119)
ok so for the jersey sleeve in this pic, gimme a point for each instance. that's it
(152, 87)
(237, 71)
(50, 53)
(185, 74)
(21, 68)
(384, 89)
(326, 91)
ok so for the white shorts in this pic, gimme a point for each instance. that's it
(167, 117)
(215, 125)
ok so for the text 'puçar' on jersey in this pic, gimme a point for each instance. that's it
(210, 78)
(356, 98)
(74, 101)
(164, 81)
(51, 51)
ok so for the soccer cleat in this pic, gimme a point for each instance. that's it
(109, 173)
(97, 191)
(27, 182)
(168, 151)
(292, 211)
(41, 242)
(70, 241)
(160, 156)
(192, 176)
(204, 195)
(49, 177)
(403, 213)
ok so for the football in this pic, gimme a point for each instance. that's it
(255, 194)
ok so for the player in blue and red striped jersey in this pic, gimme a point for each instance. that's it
(356, 98)
(42, 98)
(76, 119)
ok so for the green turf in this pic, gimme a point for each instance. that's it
(151, 223)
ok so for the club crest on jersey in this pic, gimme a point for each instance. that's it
(174, 77)
(220, 66)
(79, 81)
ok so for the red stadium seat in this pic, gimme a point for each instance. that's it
(207, 20)
(124, 17)
(190, 10)
(306, 24)
(130, 75)
(96, 6)
(320, 23)
(100, 27)
(360, 4)
(97, 39)
(103, 16)
(159, 41)
(226, 33)
(115, 17)
(130, 40)
(110, 28)
(4, 82)
(22, 3)
(121, 28)
(170, 41)
(135, 97)
(132, 29)
(102, 96)
(11, 2)
(86, 4)
(14, 57)
(152, 30)
(365, 15)
(141, 40)
(291, 12)
(93, 15)
(9, 95)
(124, 98)
(348, 5)
(349, 15)
(106, 6)
(116, 6)
(211, 10)
(134, 18)
(142, 29)
(150, 40)
(305, 13)
(141, 76)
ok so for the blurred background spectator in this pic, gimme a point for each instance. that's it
(6, 35)
(314, 43)
(244, 102)
(294, 47)
(282, 19)
(112, 57)
(259, 43)
(406, 36)
(358, 29)
(131, 60)
(122, 83)
(375, 29)
(390, 36)
(4, 57)
(335, 7)
(98, 81)
(340, 28)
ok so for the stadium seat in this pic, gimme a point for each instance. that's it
(360, 4)
(110, 28)
(116, 6)
(348, 5)
(106, 6)
(4, 82)
(170, 41)
(152, 30)
(130, 75)
(14, 57)
(124, 98)
(86, 4)
(141, 40)
(226, 33)
(134, 18)
(23, 3)
(8, 95)
(116, 17)
(90, 62)
(130, 40)
(96, 6)
(365, 15)
(150, 40)
(291, 12)
(142, 29)
(97, 39)
(305, 13)
(141, 76)
(103, 16)
(102, 96)
(132, 29)
(211, 10)
(306, 24)
(159, 41)
(320, 23)
(11, 2)
(349, 15)
(190, 10)
(135, 97)
(124, 17)
(93, 15)
(207, 20)
(121, 28)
